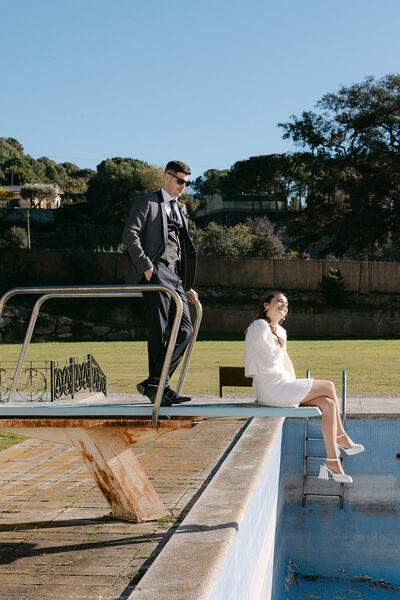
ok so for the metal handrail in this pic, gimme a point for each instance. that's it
(189, 351)
(344, 395)
(106, 292)
(63, 288)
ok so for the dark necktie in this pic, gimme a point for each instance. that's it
(175, 216)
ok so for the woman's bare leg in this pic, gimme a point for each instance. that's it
(329, 428)
(321, 387)
(323, 395)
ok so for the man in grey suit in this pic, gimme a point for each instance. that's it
(162, 252)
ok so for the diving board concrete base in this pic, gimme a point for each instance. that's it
(104, 446)
(118, 474)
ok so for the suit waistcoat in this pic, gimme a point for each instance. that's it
(172, 252)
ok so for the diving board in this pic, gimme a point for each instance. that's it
(57, 410)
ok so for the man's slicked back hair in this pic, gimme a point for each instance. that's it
(177, 166)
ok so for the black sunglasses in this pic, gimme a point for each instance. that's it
(179, 180)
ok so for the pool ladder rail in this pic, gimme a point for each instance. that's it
(308, 456)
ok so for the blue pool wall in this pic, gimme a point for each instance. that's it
(248, 570)
(321, 539)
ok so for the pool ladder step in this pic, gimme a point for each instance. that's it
(307, 477)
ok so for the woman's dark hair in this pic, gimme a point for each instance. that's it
(262, 314)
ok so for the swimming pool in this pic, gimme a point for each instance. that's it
(248, 537)
(324, 552)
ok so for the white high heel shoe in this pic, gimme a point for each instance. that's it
(325, 471)
(356, 449)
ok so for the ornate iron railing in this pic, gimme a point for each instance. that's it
(51, 380)
(33, 385)
(75, 376)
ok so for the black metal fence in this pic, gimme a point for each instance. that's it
(51, 380)
(75, 376)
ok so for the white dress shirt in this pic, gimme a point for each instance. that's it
(167, 200)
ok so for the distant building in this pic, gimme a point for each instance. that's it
(14, 212)
(234, 209)
(18, 202)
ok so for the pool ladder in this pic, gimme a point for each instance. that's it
(308, 456)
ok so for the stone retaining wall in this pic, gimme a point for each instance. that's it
(230, 289)
(14, 322)
(335, 323)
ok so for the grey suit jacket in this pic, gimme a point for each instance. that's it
(146, 233)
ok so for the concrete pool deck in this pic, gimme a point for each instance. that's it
(57, 539)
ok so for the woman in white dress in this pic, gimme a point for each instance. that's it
(275, 383)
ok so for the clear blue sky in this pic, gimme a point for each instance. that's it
(204, 81)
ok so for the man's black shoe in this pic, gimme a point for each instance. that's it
(151, 391)
(141, 387)
(174, 397)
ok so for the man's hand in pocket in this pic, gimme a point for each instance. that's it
(149, 273)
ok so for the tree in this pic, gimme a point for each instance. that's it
(280, 175)
(10, 148)
(258, 175)
(267, 245)
(18, 171)
(37, 193)
(75, 181)
(352, 178)
(70, 168)
(259, 225)
(266, 241)
(210, 183)
(18, 147)
(192, 204)
(113, 188)
(52, 171)
(219, 240)
(151, 178)
(356, 121)
(18, 168)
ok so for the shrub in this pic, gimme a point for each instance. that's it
(16, 237)
(267, 245)
(334, 288)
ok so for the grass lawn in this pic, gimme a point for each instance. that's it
(373, 366)
(8, 439)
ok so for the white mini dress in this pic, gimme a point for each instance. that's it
(274, 379)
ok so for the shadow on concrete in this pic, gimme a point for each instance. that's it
(11, 552)
(193, 528)
(53, 524)
(177, 528)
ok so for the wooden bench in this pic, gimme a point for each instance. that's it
(233, 377)
(103, 432)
